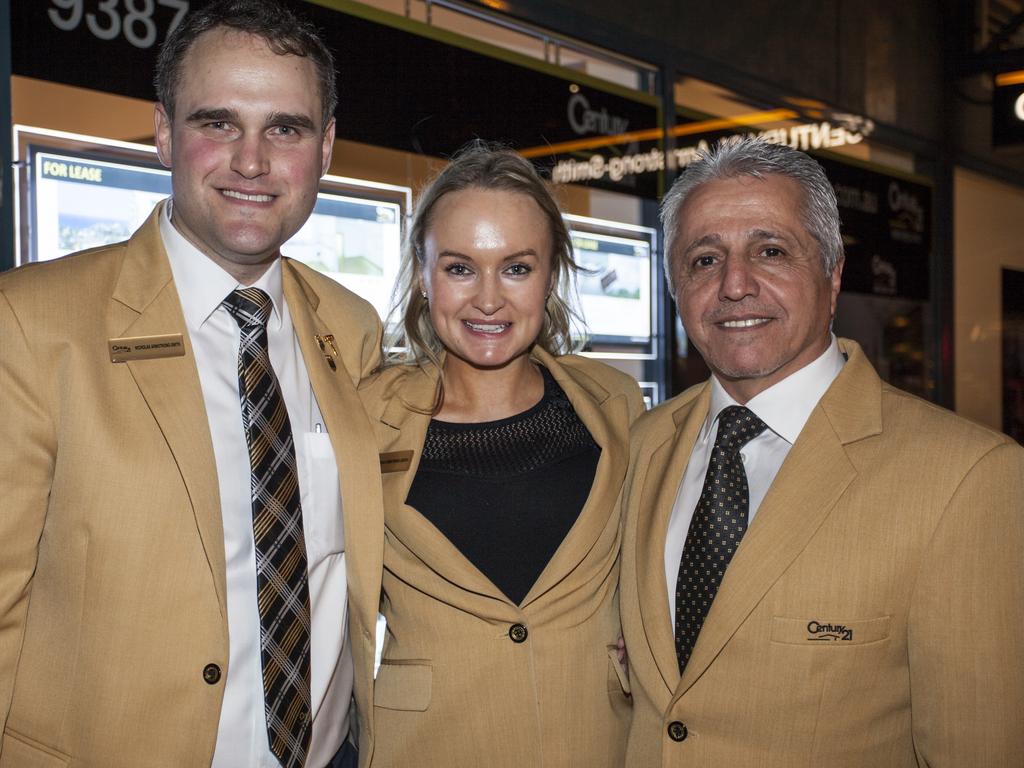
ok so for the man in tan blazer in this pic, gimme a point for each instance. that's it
(871, 613)
(130, 631)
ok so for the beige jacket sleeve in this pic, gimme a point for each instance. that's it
(27, 451)
(966, 624)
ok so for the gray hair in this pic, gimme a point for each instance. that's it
(751, 156)
(284, 32)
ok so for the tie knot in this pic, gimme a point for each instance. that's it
(249, 307)
(737, 426)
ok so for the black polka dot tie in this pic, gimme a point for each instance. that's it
(718, 524)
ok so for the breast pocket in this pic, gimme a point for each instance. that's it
(321, 498)
(829, 632)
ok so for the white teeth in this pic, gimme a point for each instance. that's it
(487, 328)
(247, 198)
(745, 323)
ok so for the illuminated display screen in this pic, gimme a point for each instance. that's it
(615, 286)
(82, 201)
(357, 242)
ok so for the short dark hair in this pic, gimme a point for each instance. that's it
(284, 32)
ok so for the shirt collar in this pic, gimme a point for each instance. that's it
(786, 406)
(203, 284)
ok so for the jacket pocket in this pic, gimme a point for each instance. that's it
(403, 684)
(23, 752)
(829, 632)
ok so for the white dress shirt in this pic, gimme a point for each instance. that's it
(242, 733)
(785, 408)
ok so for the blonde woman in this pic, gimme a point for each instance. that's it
(502, 460)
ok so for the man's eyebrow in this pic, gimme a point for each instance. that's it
(766, 234)
(701, 242)
(212, 115)
(291, 118)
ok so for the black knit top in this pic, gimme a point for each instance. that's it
(507, 492)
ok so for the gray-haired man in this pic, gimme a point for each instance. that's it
(817, 568)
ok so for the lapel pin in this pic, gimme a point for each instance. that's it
(326, 344)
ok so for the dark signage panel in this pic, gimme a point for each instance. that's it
(1013, 354)
(886, 226)
(396, 89)
(886, 223)
(92, 44)
(1008, 115)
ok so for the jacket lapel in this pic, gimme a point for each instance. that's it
(149, 306)
(608, 423)
(406, 416)
(351, 438)
(813, 477)
(663, 467)
(607, 420)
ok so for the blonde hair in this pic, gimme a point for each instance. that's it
(482, 166)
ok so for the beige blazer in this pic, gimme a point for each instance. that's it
(894, 527)
(454, 689)
(112, 574)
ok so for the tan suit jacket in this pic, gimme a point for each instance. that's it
(112, 573)
(454, 689)
(894, 521)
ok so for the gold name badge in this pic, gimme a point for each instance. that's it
(395, 461)
(146, 347)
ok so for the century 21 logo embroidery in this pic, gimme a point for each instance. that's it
(818, 631)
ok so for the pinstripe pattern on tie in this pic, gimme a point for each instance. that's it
(718, 524)
(281, 576)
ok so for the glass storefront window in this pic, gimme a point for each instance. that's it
(449, 73)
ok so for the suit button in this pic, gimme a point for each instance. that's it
(518, 633)
(211, 674)
(677, 731)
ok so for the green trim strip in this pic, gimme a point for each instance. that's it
(368, 13)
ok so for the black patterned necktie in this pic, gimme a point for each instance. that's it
(719, 522)
(281, 578)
